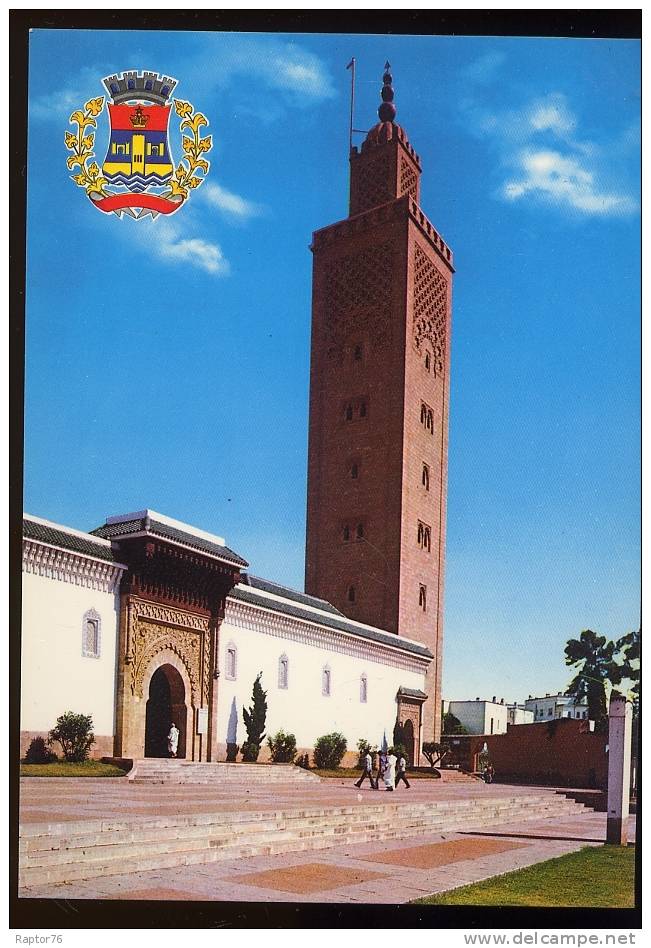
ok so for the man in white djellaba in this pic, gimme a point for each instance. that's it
(390, 772)
(173, 740)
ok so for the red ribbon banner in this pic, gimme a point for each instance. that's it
(118, 202)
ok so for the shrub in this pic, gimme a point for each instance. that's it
(282, 747)
(365, 748)
(329, 751)
(39, 753)
(74, 732)
(250, 752)
(254, 721)
(231, 752)
(303, 761)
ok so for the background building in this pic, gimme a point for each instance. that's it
(481, 717)
(556, 706)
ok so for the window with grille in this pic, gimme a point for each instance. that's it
(91, 634)
(231, 661)
(351, 594)
(363, 689)
(283, 672)
(326, 681)
(424, 536)
(425, 477)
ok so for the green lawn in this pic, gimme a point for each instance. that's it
(60, 768)
(594, 877)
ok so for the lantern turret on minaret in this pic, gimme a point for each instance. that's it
(386, 167)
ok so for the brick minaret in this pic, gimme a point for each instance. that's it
(379, 395)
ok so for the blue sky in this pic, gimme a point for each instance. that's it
(167, 361)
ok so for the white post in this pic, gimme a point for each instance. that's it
(619, 768)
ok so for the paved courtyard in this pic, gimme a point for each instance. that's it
(388, 871)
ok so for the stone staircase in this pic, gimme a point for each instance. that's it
(85, 849)
(159, 770)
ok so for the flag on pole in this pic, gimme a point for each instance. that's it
(351, 63)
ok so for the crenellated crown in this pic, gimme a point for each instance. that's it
(131, 85)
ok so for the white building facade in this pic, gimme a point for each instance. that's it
(549, 707)
(156, 620)
(481, 717)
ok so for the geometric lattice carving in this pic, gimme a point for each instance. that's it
(408, 180)
(358, 295)
(430, 309)
(372, 185)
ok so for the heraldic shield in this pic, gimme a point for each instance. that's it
(138, 154)
(138, 160)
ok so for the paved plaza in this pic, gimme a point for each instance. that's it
(379, 870)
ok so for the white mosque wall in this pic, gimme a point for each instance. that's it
(55, 674)
(302, 708)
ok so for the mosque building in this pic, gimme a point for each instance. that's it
(145, 620)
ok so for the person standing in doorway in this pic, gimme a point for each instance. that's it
(367, 764)
(173, 740)
(401, 772)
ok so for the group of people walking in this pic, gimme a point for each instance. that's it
(390, 770)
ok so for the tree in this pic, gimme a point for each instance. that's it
(435, 752)
(629, 647)
(254, 721)
(452, 724)
(74, 732)
(593, 658)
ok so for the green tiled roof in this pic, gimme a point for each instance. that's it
(121, 531)
(68, 541)
(289, 593)
(244, 594)
(412, 693)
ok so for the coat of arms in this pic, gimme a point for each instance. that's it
(138, 176)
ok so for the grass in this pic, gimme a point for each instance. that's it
(593, 877)
(61, 768)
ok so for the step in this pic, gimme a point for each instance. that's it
(109, 847)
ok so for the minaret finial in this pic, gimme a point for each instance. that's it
(387, 110)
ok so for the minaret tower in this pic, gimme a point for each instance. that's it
(379, 401)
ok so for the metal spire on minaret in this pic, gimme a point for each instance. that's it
(387, 110)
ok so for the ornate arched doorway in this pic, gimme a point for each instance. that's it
(165, 704)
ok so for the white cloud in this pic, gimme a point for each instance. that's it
(552, 115)
(298, 76)
(230, 204)
(194, 250)
(563, 180)
(545, 159)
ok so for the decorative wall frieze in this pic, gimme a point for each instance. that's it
(245, 616)
(70, 567)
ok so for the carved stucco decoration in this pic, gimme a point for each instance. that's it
(358, 294)
(429, 309)
(153, 629)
